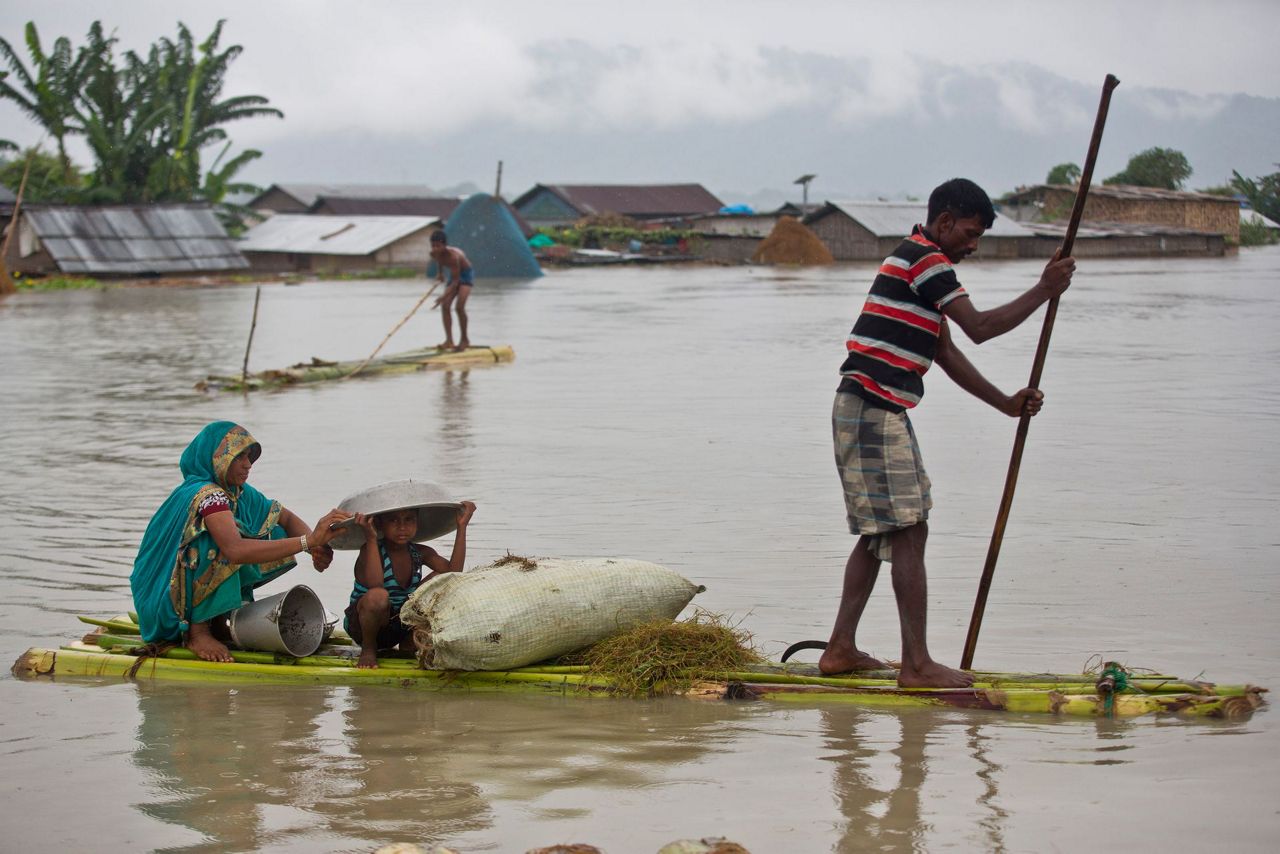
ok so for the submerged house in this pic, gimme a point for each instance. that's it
(870, 230)
(564, 204)
(122, 240)
(1188, 222)
(437, 206)
(301, 198)
(338, 244)
(733, 237)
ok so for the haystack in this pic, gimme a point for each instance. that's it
(790, 242)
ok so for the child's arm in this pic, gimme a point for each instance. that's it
(458, 560)
(368, 569)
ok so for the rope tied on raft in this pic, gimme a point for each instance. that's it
(1114, 680)
(150, 650)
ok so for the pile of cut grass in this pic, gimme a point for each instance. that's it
(663, 657)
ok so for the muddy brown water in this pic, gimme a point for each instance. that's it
(679, 416)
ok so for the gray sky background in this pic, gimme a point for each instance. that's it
(877, 98)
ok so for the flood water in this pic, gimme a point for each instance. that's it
(679, 416)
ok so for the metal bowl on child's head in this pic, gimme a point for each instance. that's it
(437, 511)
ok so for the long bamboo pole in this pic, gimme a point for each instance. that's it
(360, 367)
(1042, 350)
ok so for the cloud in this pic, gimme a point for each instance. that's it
(1167, 105)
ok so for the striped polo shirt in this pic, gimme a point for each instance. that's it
(894, 339)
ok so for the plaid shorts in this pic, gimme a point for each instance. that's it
(885, 484)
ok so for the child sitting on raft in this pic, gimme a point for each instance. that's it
(388, 570)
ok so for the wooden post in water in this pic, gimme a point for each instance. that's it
(1042, 350)
(244, 371)
(7, 285)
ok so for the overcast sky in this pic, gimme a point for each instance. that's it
(875, 97)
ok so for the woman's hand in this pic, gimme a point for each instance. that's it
(323, 533)
(321, 557)
(465, 512)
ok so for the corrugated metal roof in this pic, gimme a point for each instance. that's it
(1123, 191)
(306, 194)
(651, 200)
(1098, 229)
(177, 238)
(331, 235)
(1247, 215)
(345, 206)
(896, 219)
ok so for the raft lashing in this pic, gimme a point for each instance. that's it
(111, 652)
(320, 370)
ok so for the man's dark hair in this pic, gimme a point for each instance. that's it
(439, 237)
(962, 199)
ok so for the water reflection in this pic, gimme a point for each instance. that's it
(288, 767)
(881, 779)
(223, 758)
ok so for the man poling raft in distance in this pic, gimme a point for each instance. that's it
(901, 331)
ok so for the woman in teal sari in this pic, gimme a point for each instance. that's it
(214, 540)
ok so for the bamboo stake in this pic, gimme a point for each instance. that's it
(244, 370)
(1015, 461)
(7, 285)
(394, 330)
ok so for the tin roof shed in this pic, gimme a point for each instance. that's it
(896, 219)
(132, 239)
(331, 235)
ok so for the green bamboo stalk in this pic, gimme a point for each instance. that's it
(114, 625)
(85, 661)
(1042, 702)
(1138, 686)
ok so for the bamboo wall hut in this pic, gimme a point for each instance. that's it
(1147, 206)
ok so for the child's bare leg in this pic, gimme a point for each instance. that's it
(374, 611)
(446, 315)
(201, 641)
(463, 292)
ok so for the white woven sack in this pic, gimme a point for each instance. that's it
(515, 612)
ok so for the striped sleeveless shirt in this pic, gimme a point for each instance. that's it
(894, 339)
(398, 595)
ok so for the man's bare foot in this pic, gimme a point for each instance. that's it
(368, 658)
(205, 645)
(462, 346)
(844, 660)
(933, 675)
(447, 345)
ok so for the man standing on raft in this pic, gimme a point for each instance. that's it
(901, 331)
(462, 276)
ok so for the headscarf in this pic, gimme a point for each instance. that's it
(180, 577)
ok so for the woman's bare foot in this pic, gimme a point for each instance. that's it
(847, 660)
(368, 658)
(933, 675)
(205, 645)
